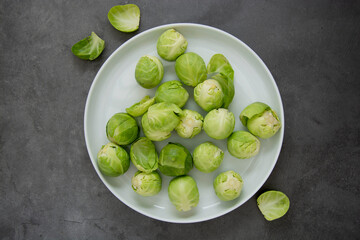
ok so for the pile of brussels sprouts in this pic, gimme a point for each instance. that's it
(163, 113)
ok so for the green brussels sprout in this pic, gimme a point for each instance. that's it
(209, 95)
(175, 160)
(227, 86)
(125, 18)
(141, 107)
(190, 69)
(152, 133)
(122, 129)
(89, 48)
(171, 44)
(219, 123)
(143, 155)
(219, 64)
(207, 157)
(160, 120)
(146, 184)
(172, 92)
(228, 185)
(149, 71)
(164, 116)
(190, 124)
(183, 193)
(113, 160)
(242, 144)
(261, 120)
(273, 204)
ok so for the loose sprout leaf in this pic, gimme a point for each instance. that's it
(141, 107)
(89, 48)
(273, 204)
(227, 86)
(125, 18)
(219, 64)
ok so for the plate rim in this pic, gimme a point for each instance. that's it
(174, 25)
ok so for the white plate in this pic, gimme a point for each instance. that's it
(115, 89)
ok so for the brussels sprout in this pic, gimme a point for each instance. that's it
(175, 160)
(146, 184)
(242, 144)
(160, 120)
(190, 124)
(273, 204)
(171, 44)
(113, 160)
(219, 64)
(261, 120)
(219, 123)
(190, 69)
(153, 133)
(143, 155)
(209, 95)
(183, 193)
(149, 71)
(172, 92)
(125, 18)
(228, 185)
(141, 107)
(88, 48)
(164, 116)
(227, 86)
(207, 157)
(122, 129)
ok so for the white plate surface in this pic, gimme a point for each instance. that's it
(115, 89)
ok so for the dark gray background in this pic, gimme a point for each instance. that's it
(48, 187)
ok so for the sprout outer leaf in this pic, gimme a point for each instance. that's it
(227, 86)
(219, 64)
(125, 18)
(89, 48)
(141, 107)
(273, 204)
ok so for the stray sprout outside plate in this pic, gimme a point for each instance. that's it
(114, 89)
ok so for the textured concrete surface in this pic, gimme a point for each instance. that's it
(48, 187)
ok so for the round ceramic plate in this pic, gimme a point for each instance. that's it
(115, 89)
